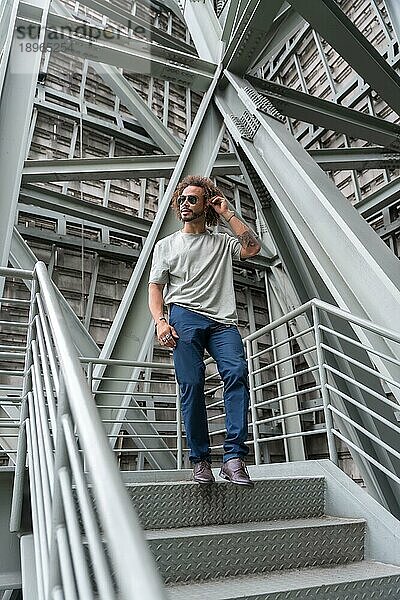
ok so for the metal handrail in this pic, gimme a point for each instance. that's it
(51, 424)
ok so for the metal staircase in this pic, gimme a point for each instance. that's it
(305, 530)
(275, 542)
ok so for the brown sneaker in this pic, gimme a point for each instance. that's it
(234, 470)
(202, 472)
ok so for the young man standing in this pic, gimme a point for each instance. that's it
(192, 274)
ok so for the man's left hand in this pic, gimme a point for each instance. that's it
(220, 205)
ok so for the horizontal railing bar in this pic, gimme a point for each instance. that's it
(119, 407)
(286, 396)
(132, 450)
(128, 379)
(285, 359)
(12, 348)
(17, 301)
(216, 417)
(21, 273)
(359, 364)
(213, 390)
(212, 376)
(12, 356)
(126, 421)
(367, 456)
(214, 404)
(282, 342)
(290, 376)
(363, 387)
(143, 408)
(291, 435)
(367, 433)
(11, 372)
(144, 435)
(124, 363)
(281, 321)
(382, 331)
(138, 394)
(6, 401)
(369, 411)
(15, 323)
(368, 349)
(304, 411)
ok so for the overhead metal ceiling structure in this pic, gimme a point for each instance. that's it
(316, 244)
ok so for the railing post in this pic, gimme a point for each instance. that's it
(179, 450)
(20, 461)
(257, 453)
(325, 395)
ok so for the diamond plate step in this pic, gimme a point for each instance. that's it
(201, 553)
(187, 504)
(356, 581)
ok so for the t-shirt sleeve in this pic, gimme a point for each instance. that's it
(159, 272)
(234, 246)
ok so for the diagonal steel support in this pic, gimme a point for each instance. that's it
(133, 324)
(16, 106)
(250, 35)
(326, 17)
(139, 108)
(311, 109)
(132, 100)
(295, 284)
(205, 29)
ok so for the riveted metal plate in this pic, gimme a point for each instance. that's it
(162, 506)
(264, 105)
(199, 554)
(247, 125)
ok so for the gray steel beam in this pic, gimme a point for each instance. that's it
(119, 252)
(138, 137)
(337, 159)
(285, 27)
(384, 197)
(16, 106)
(328, 115)
(128, 167)
(22, 257)
(139, 108)
(136, 56)
(8, 14)
(83, 210)
(139, 25)
(326, 17)
(324, 230)
(308, 192)
(204, 28)
(133, 324)
(249, 37)
(293, 285)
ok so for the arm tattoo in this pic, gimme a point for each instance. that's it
(247, 239)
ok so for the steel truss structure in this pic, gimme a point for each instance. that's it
(253, 118)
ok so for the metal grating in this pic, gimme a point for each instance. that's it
(199, 554)
(162, 506)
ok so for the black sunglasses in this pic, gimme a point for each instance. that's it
(191, 199)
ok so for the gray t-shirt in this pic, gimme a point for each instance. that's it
(196, 269)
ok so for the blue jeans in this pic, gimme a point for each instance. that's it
(224, 344)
